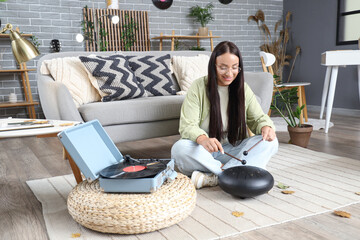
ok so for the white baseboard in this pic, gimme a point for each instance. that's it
(337, 111)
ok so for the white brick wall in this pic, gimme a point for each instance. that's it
(60, 19)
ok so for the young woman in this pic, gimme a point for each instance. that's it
(213, 120)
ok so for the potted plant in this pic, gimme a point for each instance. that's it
(203, 15)
(276, 43)
(285, 103)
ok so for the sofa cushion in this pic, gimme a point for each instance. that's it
(130, 111)
(187, 69)
(114, 78)
(153, 72)
(74, 75)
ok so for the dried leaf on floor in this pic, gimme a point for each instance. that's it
(282, 186)
(75, 235)
(287, 192)
(237, 214)
(342, 214)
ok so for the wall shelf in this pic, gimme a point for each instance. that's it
(196, 37)
(29, 103)
(4, 35)
(16, 70)
(17, 104)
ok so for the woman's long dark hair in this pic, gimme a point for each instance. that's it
(236, 107)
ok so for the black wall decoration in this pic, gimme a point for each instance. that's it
(162, 4)
(225, 1)
(55, 45)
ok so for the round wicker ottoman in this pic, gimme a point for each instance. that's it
(132, 213)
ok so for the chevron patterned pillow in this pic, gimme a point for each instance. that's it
(114, 78)
(153, 72)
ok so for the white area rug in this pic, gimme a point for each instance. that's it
(281, 125)
(321, 182)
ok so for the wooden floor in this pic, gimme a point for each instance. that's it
(23, 159)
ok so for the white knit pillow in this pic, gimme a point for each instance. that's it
(73, 74)
(188, 69)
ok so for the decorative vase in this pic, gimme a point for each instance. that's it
(300, 136)
(12, 98)
(203, 31)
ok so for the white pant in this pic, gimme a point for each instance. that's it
(190, 156)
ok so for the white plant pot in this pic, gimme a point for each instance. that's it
(203, 31)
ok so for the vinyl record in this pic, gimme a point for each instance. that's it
(141, 169)
(162, 4)
(225, 1)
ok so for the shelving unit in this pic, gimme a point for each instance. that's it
(23, 71)
(4, 35)
(173, 37)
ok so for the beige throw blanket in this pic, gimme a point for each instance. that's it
(73, 74)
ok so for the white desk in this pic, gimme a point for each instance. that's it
(57, 126)
(333, 60)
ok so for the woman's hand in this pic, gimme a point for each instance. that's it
(268, 133)
(210, 144)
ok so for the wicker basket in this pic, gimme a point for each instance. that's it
(132, 213)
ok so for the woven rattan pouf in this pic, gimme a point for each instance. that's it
(132, 213)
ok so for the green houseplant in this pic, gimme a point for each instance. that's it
(203, 15)
(35, 42)
(285, 102)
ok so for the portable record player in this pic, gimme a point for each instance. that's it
(98, 158)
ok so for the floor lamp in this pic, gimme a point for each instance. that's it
(22, 48)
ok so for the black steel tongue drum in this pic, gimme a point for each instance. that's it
(245, 181)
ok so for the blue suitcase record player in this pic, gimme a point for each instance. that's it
(98, 158)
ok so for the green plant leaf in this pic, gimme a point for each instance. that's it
(35, 42)
(285, 103)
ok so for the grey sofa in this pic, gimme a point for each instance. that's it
(132, 119)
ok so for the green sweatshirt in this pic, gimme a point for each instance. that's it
(196, 107)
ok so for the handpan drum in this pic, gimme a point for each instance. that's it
(246, 181)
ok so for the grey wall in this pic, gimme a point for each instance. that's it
(60, 19)
(314, 29)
